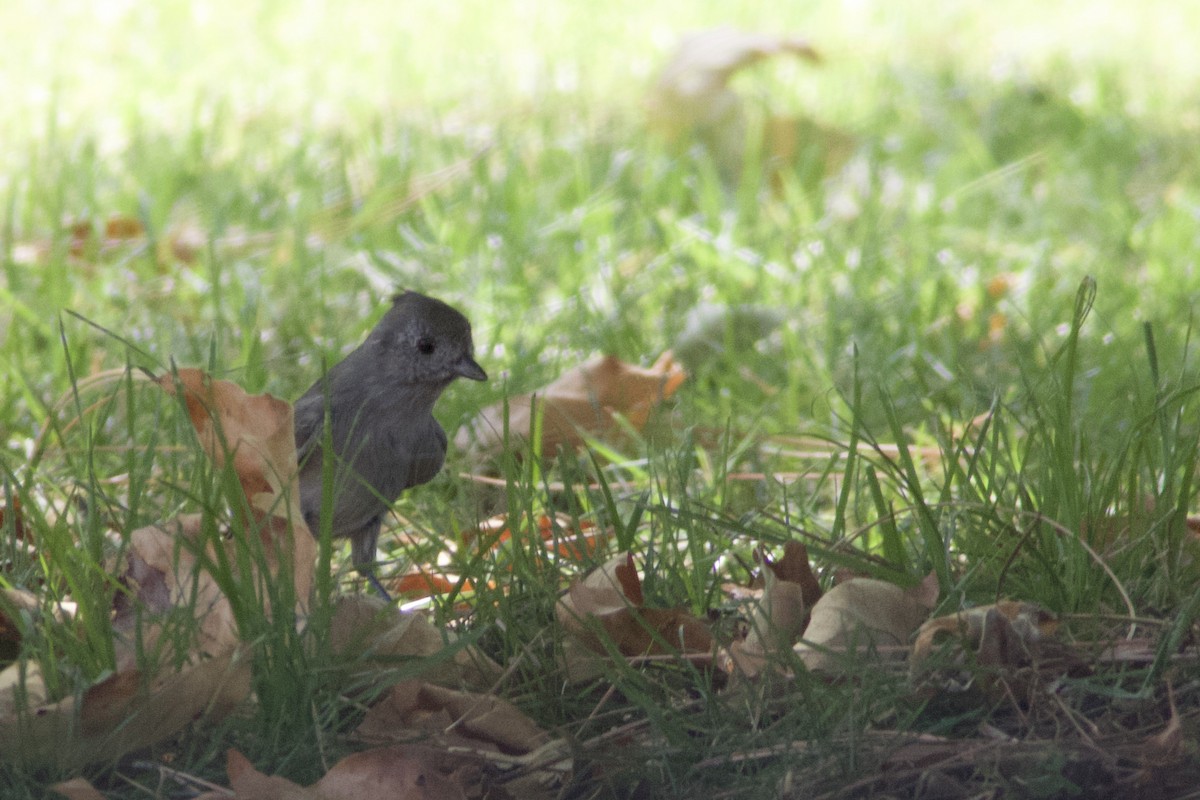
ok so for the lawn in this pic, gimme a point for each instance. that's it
(951, 335)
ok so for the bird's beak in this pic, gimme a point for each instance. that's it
(467, 368)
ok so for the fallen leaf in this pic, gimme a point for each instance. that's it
(805, 148)
(417, 709)
(14, 603)
(254, 431)
(693, 88)
(22, 686)
(691, 99)
(179, 655)
(423, 583)
(128, 711)
(374, 635)
(77, 789)
(399, 773)
(856, 618)
(583, 402)
(782, 612)
(795, 568)
(1012, 652)
(607, 605)
(250, 784)
(13, 515)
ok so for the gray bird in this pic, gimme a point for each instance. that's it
(380, 402)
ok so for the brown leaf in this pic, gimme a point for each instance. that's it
(795, 568)
(572, 538)
(782, 611)
(378, 633)
(693, 88)
(607, 604)
(163, 681)
(256, 430)
(1005, 640)
(128, 711)
(21, 686)
(968, 626)
(250, 784)
(472, 719)
(583, 402)
(255, 434)
(854, 617)
(805, 147)
(14, 602)
(77, 789)
(692, 99)
(401, 772)
(20, 530)
(398, 773)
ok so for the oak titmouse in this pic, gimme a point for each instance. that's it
(380, 403)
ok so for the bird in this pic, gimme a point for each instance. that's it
(379, 400)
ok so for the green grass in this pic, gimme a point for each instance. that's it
(1014, 234)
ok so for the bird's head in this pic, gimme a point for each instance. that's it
(425, 341)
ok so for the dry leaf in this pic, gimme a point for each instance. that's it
(1011, 646)
(581, 403)
(857, 617)
(250, 784)
(397, 773)
(20, 530)
(782, 612)
(77, 789)
(693, 88)
(255, 430)
(1029, 620)
(607, 605)
(415, 709)
(400, 772)
(164, 681)
(692, 97)
(370, 629)
(21, 686)
(14, 602)
(126, 712)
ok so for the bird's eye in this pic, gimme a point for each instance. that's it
(425, 346)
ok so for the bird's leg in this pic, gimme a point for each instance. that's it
(362, 553)
(368, 572)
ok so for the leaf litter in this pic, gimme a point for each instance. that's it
(450, 734)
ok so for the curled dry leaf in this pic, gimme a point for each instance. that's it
(1011, 646)
(607, 605)
(583, 402)
(860, 616)
(414, 710)
(693, 88)
(692, 101)
(782, 612)
(1028, 620)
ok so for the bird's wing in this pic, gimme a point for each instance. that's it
(309, 419)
